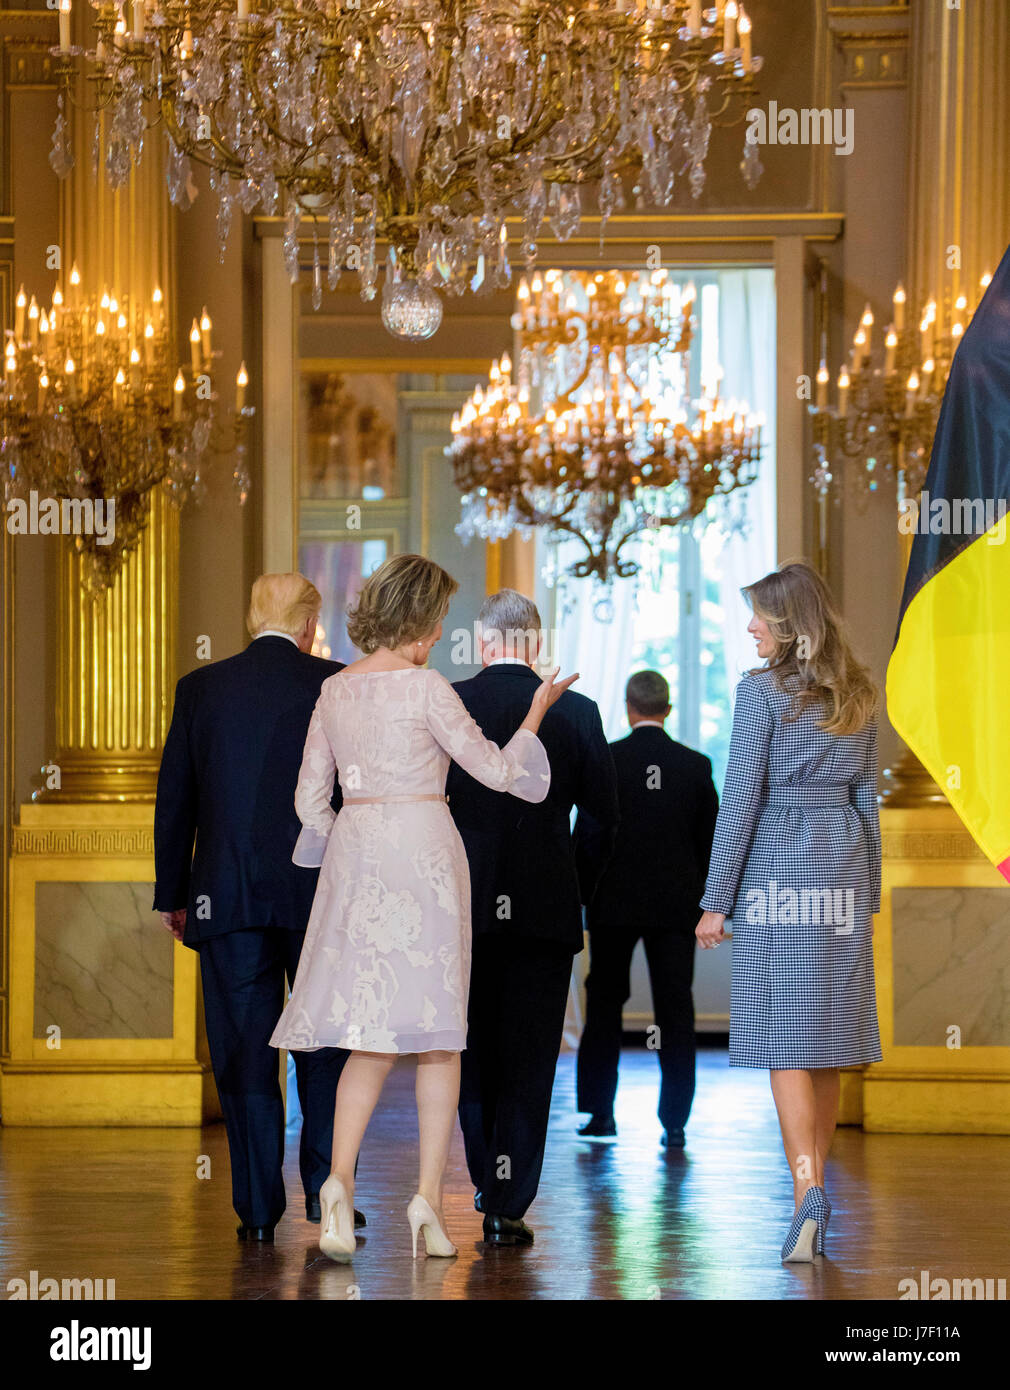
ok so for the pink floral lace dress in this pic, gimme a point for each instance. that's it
(386, 962)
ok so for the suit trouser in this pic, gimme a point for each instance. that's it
(243, 992)
(670, 957)
(518, 995)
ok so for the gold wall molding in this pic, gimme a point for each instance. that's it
(873, 41)
(929, 844)
(84, 842)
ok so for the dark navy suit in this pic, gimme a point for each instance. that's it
(527, 925)
(647, 888)
(227, 780)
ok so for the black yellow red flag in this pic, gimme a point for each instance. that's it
(948, 681)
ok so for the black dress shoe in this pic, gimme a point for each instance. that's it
(506, 1230)
(245, 1232)
(599, 1127)
(314, 1212)
(673, 1139)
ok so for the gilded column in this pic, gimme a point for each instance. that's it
(941, 943)
(958, 200)
(104, 1020)
(116, 661)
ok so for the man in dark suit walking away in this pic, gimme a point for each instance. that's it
(648, 889)
(228, 777)
(527, 921)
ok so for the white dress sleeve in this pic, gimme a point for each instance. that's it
(521, 767)
(313, 793)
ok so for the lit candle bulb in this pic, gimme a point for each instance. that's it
(20, 304)
(866, 323)
(858, 347)
(118, 383)
(43, 323)
(822, 385)
(744, 26)
(134, 370)
(899, 309)
(843, 394)
(43, 389)
(178, 389)
(157, 301)
(985, 281)
(729, 33)
(75, 285)
(205, 327)
(64, 26)
(929, 320)
(911, 392)
(928, 368)
(241, 382)
(194, 348)
(70, 374)
(99, 338)
(890, 349)
(148, 344)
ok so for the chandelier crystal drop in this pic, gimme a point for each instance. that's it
(419, 123)
(410, 310)
(95, 407)
(615, 446)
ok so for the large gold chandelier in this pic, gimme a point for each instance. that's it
(422, 123)
(96, 412)
(610, 451)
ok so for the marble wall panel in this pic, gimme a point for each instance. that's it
(103, 962)
(951, 966)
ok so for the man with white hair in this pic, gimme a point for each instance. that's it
(527, 920)
(227, 780)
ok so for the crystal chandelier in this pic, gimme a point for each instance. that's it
(420, 123)
(96, 410)
(610, 452)
(887, 400)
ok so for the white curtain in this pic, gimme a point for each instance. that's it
(747, 353)
(599, 651)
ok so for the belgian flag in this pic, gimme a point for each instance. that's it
(948, 681)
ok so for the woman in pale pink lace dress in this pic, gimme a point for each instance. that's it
(385, 968)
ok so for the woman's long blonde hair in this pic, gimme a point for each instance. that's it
(813, 659)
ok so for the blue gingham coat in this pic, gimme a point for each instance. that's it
(796, 864)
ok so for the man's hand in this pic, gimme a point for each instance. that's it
(709, 930)
(175, 922)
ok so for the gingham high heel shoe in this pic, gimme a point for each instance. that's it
(805, 1230)
(822, 1225)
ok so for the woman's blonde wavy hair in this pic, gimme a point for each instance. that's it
(404, 599)
(813, 659)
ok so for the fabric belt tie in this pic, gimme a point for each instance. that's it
(384, 800)
(809, 796)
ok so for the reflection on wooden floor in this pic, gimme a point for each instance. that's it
(614, 1220)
